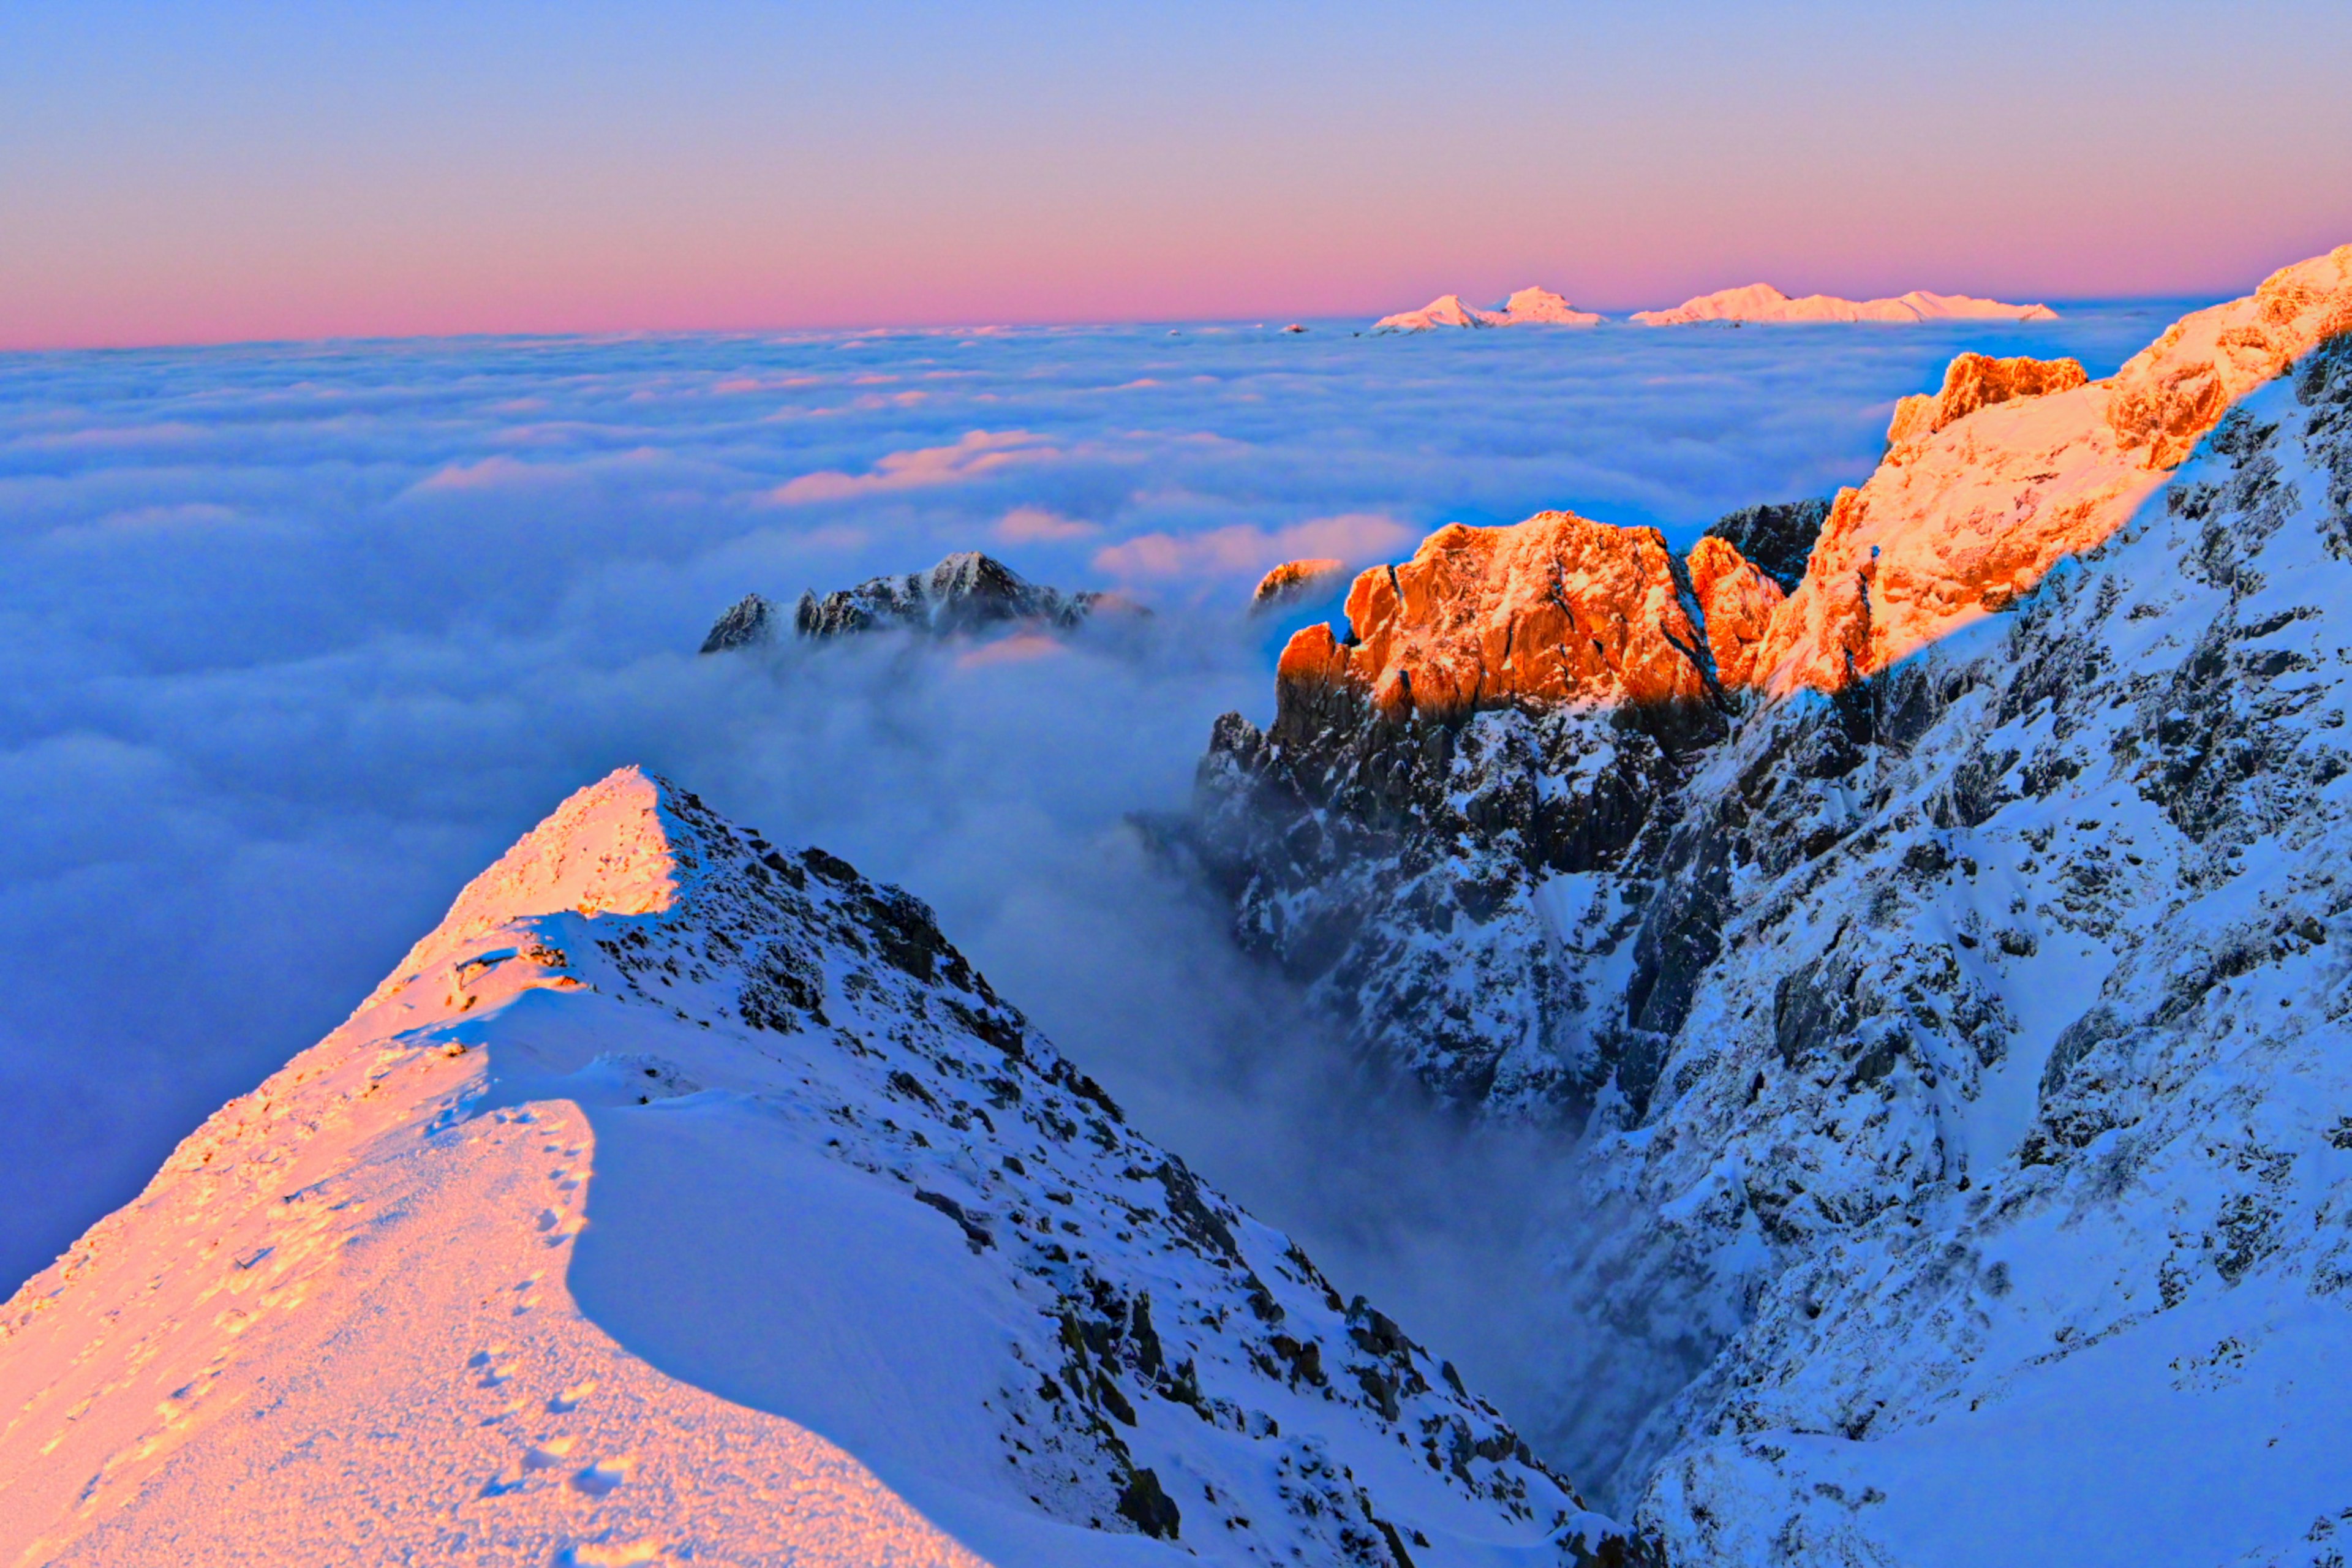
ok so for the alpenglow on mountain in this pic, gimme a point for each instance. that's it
(684, 1199)
(1944, 962)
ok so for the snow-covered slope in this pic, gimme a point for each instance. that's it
(1961, 1052)
(1763, 302)
(1528, 307)
(681, 1199)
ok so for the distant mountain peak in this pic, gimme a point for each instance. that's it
(965, 593)
(1528, 307)
(1763, 302)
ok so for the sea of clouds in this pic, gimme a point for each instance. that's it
(294, 639)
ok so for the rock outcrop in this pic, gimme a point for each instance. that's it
(1957, 1043)
(1763, 302)
(1529, 307)
(1976, 381)
(748, 622)
(683, 1199)
(1293, 581)
(966, 592)
(1777, 536)
(1556, 609)
(1967, 512)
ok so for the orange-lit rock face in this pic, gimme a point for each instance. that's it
(1556, 609)
(2013, 465)
(1737, 601)
(1972, 506)
(1978, 381)
(2173, 391)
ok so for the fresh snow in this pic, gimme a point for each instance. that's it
(1763, 302)
(678, 1199)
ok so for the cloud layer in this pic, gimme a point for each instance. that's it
(297, 639)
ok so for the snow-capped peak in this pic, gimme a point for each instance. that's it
(1528, 307)
(1763, 302)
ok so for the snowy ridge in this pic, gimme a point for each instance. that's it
(1528, 307)
(1763, 302)
(681, 1199)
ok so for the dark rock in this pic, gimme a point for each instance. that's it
(1777, 536)
(968, 592)
(748, 622)
(1152, 1509)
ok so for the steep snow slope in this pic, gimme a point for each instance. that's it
(1763, 302)
(678, 1199)
(1961, 1053)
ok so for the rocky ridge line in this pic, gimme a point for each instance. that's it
(966, 592)
(741, 1122)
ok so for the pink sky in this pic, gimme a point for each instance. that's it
(268, 174)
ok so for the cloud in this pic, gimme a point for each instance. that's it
(1031, 525)
(979, 452)
(269, 693)
(1246, 550)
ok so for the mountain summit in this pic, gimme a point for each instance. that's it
(684, 1199)
(1529, 307)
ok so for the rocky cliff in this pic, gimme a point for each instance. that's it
(681, 1199)
(1954, 1016)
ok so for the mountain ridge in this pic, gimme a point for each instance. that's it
(678, 1198)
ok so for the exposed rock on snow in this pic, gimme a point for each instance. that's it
(748, 622)
(684, 1199)
(1776, 536)
(1961, 1052)
(1762, 302)
(966, 592)
(1529, 307)
(1293, 581)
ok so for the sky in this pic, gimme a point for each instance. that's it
(248, 171)
(297, 639)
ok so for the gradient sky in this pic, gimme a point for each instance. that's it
(240, 169)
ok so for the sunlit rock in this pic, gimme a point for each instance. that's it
(1293, 581)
